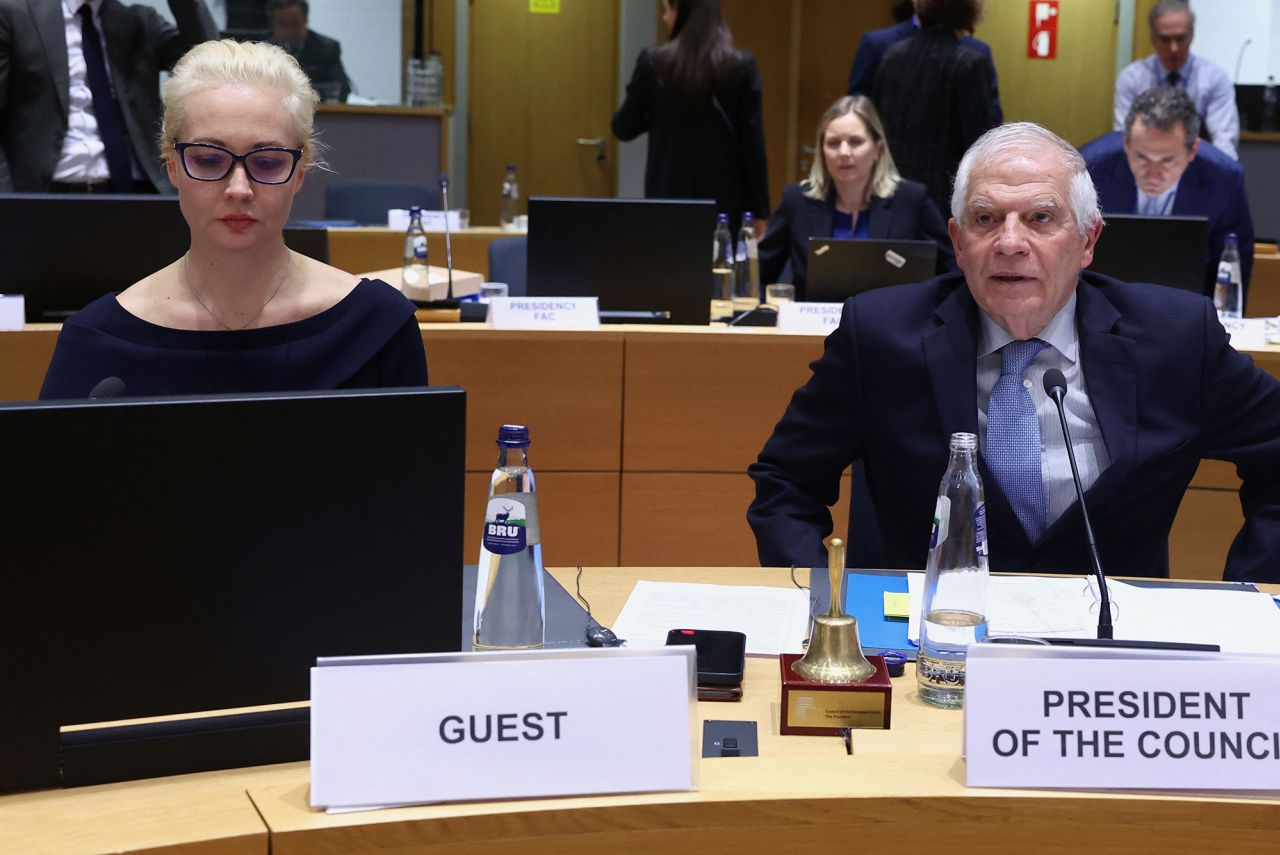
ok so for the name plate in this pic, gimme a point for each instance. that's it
(544, 313)
(1121, 719)
(812, 318)
(1246, 333)
(500, 725)
(432, 221)
(13, 311)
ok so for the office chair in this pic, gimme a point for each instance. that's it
(367, 201)
(509, 262)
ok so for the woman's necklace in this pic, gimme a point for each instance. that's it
(186, 280)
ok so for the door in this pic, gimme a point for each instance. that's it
(543, 89)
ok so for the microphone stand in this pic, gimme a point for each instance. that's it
(448, 302)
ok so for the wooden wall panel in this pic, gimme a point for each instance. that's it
(24, 359)
(567, 387)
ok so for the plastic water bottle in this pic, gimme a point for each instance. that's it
(510, 611)
(415, 82)
(1270, 103)
(414, 272)
(1228, 289)
(953, 610)
(722, 289)
(746, 266)
(510, 199)
(433, 80)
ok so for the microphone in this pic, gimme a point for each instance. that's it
(107, 387)
(1055, 386)
(1240, 59)
(448, 302)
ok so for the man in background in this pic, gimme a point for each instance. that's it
(319, 56)
(872, 48)
(1158, 166)
(1173, 26)
(80, 92)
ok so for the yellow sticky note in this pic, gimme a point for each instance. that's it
(544, 7)
(897, 604)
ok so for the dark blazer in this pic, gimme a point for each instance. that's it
(1212, 186)
(906, 215)
(934, 99)
(35, 81)
(898, 377)
(321, 59)
(710, 151)
(872, 47)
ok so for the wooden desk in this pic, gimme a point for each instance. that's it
(801, 795)
(642, 435)
(373, 248)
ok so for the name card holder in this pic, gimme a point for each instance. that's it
(1088, 718)
(810, 318)
(432, 221)
(439, 727)
(544, 313)
(13, 311)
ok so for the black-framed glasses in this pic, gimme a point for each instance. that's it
(207, 162)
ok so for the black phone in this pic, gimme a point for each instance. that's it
(722, 655)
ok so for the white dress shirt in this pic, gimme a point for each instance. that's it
(84, 157)
(1062, 353)
(1206, 82)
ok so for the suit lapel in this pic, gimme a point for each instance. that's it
(1189, 200)
(950, 351)
(881, 211)
(51, 28)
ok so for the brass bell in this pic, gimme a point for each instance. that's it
(834, 654)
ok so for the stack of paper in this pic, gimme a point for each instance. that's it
(775, 620)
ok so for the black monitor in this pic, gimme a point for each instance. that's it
(636, 255)
(839, 269)
(1163, 250)
(172, 555)
(63, 251)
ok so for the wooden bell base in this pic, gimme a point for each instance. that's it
(824, 709)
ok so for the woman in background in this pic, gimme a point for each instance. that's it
(239, 311)
(699, 99)
(853, 191)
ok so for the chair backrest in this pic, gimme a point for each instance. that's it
(367, 202)
(509, 262)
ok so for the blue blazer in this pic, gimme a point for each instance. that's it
(906, 215)
(872, 47)
(1212, 186)
(898, 377)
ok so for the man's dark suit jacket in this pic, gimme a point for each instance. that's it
(321, 59)
(35, 82)
(701, 151)
(1212, 186)
(898, 377)
(906, 215)
(872, 47)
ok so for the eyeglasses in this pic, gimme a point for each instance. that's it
(205, 162)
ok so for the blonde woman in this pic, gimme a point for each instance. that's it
(853, 191)
(239, 311)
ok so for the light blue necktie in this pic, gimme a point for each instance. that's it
(1013, 438)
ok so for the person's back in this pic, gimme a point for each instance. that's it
(933, 97)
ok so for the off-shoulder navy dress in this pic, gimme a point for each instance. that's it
(369, 339)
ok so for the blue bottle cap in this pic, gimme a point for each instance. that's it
(722, 218)
(415, 211)
(748, 217)
(513, 436)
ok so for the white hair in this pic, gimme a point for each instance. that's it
(1028, 136)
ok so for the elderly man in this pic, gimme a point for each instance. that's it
(1173, 26)
(1154, 387)
(1159, 167)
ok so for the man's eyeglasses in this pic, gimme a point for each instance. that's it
(206, 162)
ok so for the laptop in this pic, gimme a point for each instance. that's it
(1169, 251)
(179, 554)
(646, 259)
(840, 268)
(63, 251)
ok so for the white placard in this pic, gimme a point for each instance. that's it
(1088, 719)
(544, 313)
(813, 318)
(1246, 333)
(432, 221)
(469, 726)
(13, 311)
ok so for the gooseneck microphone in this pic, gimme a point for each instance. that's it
(107, 387)
(448, 243)
(1055, 386)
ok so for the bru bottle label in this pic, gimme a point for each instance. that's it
(980, 531)
(509, 524)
